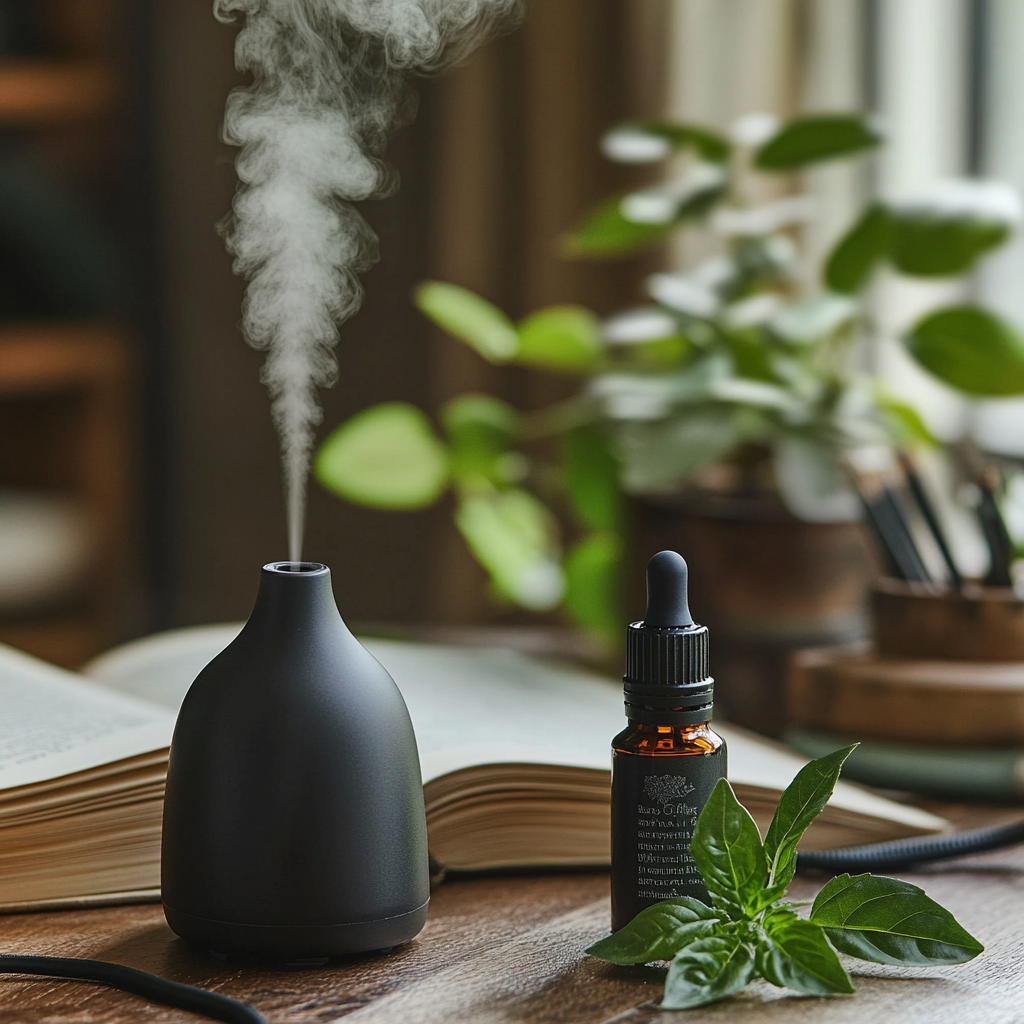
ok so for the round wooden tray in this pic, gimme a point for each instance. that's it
(858, 692)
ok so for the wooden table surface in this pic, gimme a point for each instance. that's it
(502, 950)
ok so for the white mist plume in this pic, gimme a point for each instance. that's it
(328, 85)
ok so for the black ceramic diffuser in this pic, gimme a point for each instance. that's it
(293, 820)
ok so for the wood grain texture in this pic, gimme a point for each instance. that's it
(512, 949)
(854, 691)
(913, 620)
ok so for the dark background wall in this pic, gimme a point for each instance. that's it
(502, 158)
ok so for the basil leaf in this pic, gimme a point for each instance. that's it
(658, 932)
(889, 921)
(727, 850)
(706, 970)
(803, 800)
(795, 954)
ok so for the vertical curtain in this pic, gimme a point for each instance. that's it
(922, 86)
(729, 58)
(999, 425)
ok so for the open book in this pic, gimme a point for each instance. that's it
(514, 753)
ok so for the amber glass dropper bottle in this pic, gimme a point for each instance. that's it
(666, 762)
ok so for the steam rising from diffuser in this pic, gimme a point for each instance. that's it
(328, 86)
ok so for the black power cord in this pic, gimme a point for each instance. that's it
(902, 853)
(160, 990)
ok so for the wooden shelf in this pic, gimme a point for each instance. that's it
(51, 357)
(64, 428)
(66, 424)
(51, 91)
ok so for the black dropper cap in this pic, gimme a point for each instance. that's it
(667, 680)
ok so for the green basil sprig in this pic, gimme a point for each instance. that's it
(750, 931)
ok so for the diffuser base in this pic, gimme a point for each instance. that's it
(296, 941)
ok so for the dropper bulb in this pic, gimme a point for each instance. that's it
(666, 592)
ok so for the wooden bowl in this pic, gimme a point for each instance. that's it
(914, 620)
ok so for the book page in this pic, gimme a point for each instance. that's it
(522, 709)
(478, 706)
(53, 723)
(468, 706)
(473, 706)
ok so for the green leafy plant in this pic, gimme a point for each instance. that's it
(390, 456)
(751, 931)
(742, 366)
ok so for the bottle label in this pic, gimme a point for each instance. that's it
(655, 804)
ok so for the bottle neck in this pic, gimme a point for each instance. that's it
(648, 727)
(662, 710)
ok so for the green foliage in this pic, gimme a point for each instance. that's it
(734, 364)
(919, 243)
(593, 578)
(592, 479)
(609, 230)
(470, 318)
(514, 537)
(904, 422)
(658, 455)
(606, 231)
(970, 349)
(707, 970)
(855, 255)
(385, 457)
(657, 932)
(703, 141)
(794, 953)
(728, 853)
(481, 430)
(752, 932)
(803, 800)
(925, 245)
(751, 353)
(815, 138)
(889, 921)
(563, 339)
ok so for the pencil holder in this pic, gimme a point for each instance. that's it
(914, 620)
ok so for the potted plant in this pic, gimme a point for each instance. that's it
(725, 405)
